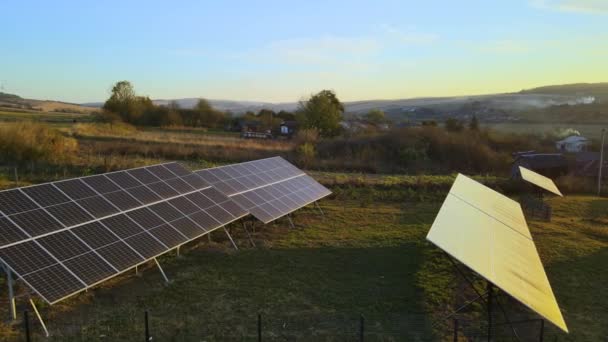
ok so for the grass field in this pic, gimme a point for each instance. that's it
(591, 131)
(312, 283)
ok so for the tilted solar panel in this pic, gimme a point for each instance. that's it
(63, 237)
(267, 188)
(539, 180)
(487, 232)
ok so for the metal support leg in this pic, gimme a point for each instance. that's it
(320, 210)
(177, 250)
(11, 293)
(161, 271)
(136, 269)
(248, 235)
(46, 331)
(490, 289)
(290, 221)
(231, 240)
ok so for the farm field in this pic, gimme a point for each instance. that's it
(591, 131)
(367, 256)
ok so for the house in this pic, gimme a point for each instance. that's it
(548, 164)
(288, 128)
(573, 143)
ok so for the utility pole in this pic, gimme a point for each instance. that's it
(601, 165)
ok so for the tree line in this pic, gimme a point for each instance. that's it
(322, 112)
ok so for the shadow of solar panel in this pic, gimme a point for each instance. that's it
(177, 169)
(122, 200)
(69, 214)
(75, 189)
(144, 195)
(90, 268)
(14, 201)
(168, 235)
(163, 190)
(95, 235)
(97, 206)
(10, 232)
(219, 214)
(26, 257)
(53, 283)
(120, 255)
(146, 245)
(166, 211)
(205, 220)
(122, 226)
(180, 186)
(146, 218)
(45, 195)
(123, 179)
(36, 222)
(187, 227)
(195, 181)
(200, 200)
(161, 172)
(63, 245)
(101, 184)
(183, 205)
(143, 176)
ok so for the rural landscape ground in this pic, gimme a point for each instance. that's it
(366, 257)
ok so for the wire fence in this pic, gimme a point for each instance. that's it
(264, 327)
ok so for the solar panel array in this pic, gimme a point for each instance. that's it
(63, 237)
(487, 232)
(267, 188)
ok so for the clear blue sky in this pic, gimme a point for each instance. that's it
(285, 50)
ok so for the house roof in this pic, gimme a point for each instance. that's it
(573, 139)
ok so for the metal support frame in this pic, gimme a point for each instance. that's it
(11, 293)
(161, 271)
(319, 208)
(248, 234)
(231, 240)
(290, 221)
(46, 331)
(487, 297)
(177, 250)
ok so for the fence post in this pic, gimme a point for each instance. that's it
(455, 330)
(259, 327)
(542, 330)
(361, 328)
(26, 324)
(147, 326)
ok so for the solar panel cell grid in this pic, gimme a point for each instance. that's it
(166, 211)
(90, 268)
(177, 169)
(184, 206)
(95, 235)
(97, 206)
(143, 176)
(200, 200)
(146, 245)
(204, 220)
(187, 227)
(161, 172)
(101, 184)
(14, 201)
(124, 180)
(122, 200)
(163, 190)
(36, 222)
(168, 235)
(53, 282)
(146, 218)
(63, 245)
(45, 195)
(122, 226)
(69, 214)
(144, 195)
(180, 186)
(75, 189)
(195, 181)
(26, 257)
(10, 232)
(120, 255)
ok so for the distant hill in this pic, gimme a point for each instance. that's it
(597, 90)
(15, 102)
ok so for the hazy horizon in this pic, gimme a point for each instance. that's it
(277, 52)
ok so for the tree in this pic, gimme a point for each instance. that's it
(474, 124)
(376, 116)
(453, 125)
(322, 111)
(122, 101)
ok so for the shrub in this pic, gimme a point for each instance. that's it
(27, 142)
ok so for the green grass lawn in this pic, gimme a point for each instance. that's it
(312, 283)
